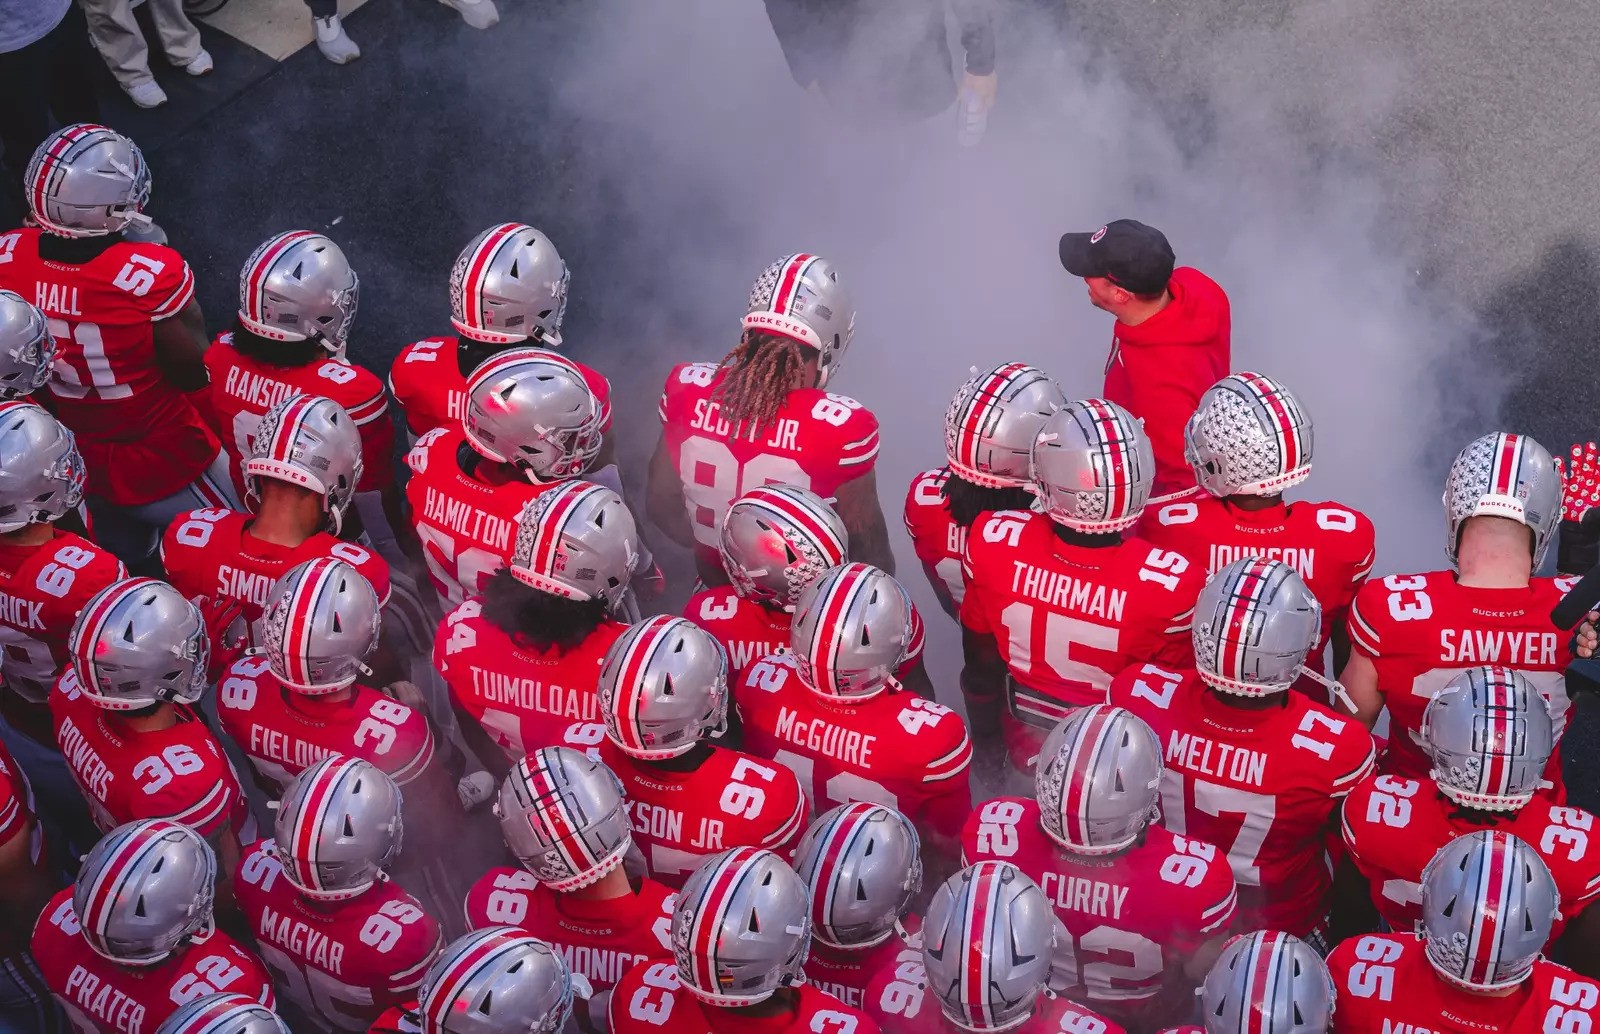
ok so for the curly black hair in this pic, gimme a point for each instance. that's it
(966, 500)
(536, 619)
(282, 354)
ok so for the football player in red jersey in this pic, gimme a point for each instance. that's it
(988, 435)
(343, 943)
(123, 717)
(763, 416)
(1267, 982)
(983, 965)
(1249, 442)
(531, 424)
(1250, 767)
(523, 659)
(1059, 601)
(833, 711)
(563, 816)
(1489, 736)
(1146, 910)
(224, 1014)
(27, 351)
(739, 937)
(1474, 964)
(26, 884)
(130, 376)
(300, 480)
(132, 940)
(1412, 633)
(664, 697)
(775, 540)
(862, 864)
(493, 981)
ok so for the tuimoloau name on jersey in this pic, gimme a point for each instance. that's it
(1224, 760)
(847, 745)
(466, 519)
(1065, 592)
(302, 940)
(666, 824)
(98, 998)
(85, 761)
(56, 299)
(496, 687)
(1490, 646)
(1304, 561)
(269, 743)
(708, 417)
(20, 613)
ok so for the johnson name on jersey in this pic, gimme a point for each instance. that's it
(940, 543)
(650, 1000)
(1262, 784)
(42, 589)
(899, 999)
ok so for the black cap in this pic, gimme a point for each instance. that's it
(1130, 254)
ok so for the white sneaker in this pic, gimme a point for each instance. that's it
(147, 94)
(480, 14)
(332, 41)
(200, 64)
(474, 789)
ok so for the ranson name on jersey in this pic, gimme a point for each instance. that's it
(494, 532)
(1229, 761)
(667, 824)
(1304, 561)
(257, 389)
(1055, 589)
(496, 687)
(21, 613)
(103, 1001)
(291, 934)
(708, 417)
(84, 759)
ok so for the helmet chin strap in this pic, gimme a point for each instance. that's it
(1333, 686)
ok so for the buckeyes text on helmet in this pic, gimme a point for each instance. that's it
(508, 285)
(800, 297)
(1093, 467)
(663, 688)
(777, 539)
(310, 442)
(298, 286)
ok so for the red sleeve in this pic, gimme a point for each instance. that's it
(376, 571)
(364, 397)
(1365, 623)
(1164, 387)
(174, 283)
(974, 615)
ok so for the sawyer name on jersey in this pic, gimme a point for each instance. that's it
(1225, 760)
(1057, 589)
(1490, 646)
(466, 519)
(1304, 561)
(304, 940)
(84, 759)
(496, 687)
(836, 741)
(708, 417)
(1086, 896)
(661, 823)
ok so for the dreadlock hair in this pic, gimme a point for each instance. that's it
(965, 500)
(536, 619)
(282, 354)
(759, 373)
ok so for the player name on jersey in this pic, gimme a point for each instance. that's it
(291, 751)
(104, 1002)
(306, 941)
(251, 586)
(257, 389)
(836, 741)
(465, 519)
(21, 613)
(1057, 589)
(496, 687)
(1304, 561)
(1225, 760)
(57, 298)
(708, 417)
(1087, 896)
(1471, 646)
(666, 824)
(91, 769)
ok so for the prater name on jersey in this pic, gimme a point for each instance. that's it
(466, 519)
(100, 999)
(1055, 589)
(708, 417)
(667, 824)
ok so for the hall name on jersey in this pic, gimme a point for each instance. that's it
(847, 745)
(1304, 561)
(56, 299)
(99, 999)
(85, 761)
(279, 746)
(495, 687)
(467, 520)
(1064, 592)
(258, 389)
(708, 417)
(1223, 760)
(21, 613)
(1494, 646)
(301, 941)
(666, 824)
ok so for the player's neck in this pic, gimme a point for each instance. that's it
(1495, 553)
(30, 535)
(1086, 539)
(287, 522)
(689, 761)
(472, 354)
(612, 885)
(1138, 310)
(1244, 703)
(782, 1001)
(311, 704)
(1252, 503)
(163, 716)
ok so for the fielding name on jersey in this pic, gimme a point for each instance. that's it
(86, 763)
(1223, 760)
(1494, 646)
(666, 824)
(496, 687)
(20, 613)
(98, 998)
(1064, 592)
(1089, 897)
(302, 941)
(466, 519)
(257, 389)
(708, 417)
(273, 745)
(847, 745)
(1304, 561)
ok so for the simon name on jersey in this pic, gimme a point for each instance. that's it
(235, 584)
(465, 519)
(1055, 589)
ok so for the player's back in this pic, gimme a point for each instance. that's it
(845, 973)
(244, 388)
(650, 999)
(680, 818)
(747, 630)
(940, 543)
(1422, 630)
(899, 999)
(601, 940)
(1260, 783)
(1383, 982)
(817, 440)
(894, 749)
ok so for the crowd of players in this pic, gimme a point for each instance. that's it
(1159, 813)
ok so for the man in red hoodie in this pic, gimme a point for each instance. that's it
(1171, 339)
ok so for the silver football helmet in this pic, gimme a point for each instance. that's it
(27, 349)
(578, 540)
(41, 474)
(138, 642)
(1490, 734)
(87, 181)
(1098, 781)
(1248, 436)
(776, 539)
(563, 815)
(1092, 467)
(987, 945)
(663, 688)
(1488, 905)
(224, 1014)
(144, 890)
(1267, 983)
(338, 828)
(509, 285)
(497, 980)
(851, 631)
(862, 864)
(298, 286)
(740, 929)
(800, 297)
(531, 408)
(1254, 622)
(309, 441)
(992, 421)
(1504, 475)
(320, 621)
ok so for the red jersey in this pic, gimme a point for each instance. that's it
(1330, 546)
(1422, 630)
(732, 800)
(427, 381)
(141, 438)
(940, 543)
(467, 525)
(818, 440)
(1263, 784)
(100, 995)
(1393, 827)
(846, 972)
(180, 773)
(243, 389)
(341, 962)
(283, 732)
(1067, 617)
(402, 1019)
(211, 554)
(650, 1000)
(525, 698)
(894, 749)
(899, 999)
(1385, 983)
(1131, 919)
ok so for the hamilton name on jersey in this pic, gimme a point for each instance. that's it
(1083, 895)
(836, 741)
(708, 417)
(84, 759)
(465, 519)
(1496, 646)
(275, 745)
(1065, 592)
(1304, 561)
(21, 613)
(56, 299)
(496, 687)
(301, 940)
(1225, 760)
(103, 1001)
(666, 824)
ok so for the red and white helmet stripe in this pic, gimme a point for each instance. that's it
(1486, 922)
(252, 281)
(981, 910)
(1117, 435)
(969, 425)
(317, 584)
(86, 636)
(777, 314)
(475, 315)
(1088, 744)
(109, 887)
(548, 514)
(1250, 588)
(847, 828)
(820, 651)
(622, 723)
(277, 460)
(799, 510)
(1290, 425)
(1263, 968)
(302, 818)
(551, 809)
(451, 989)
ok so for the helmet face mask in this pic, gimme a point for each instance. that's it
(1503, 475)
(776, 540)
(1254, 623)
(137, 643)
(851, 631)
(1098, 781)
(508, 285)
(338, 828)
(87, 181)
(144, 891)
(991, 919)
(562, 814)
(1248, 436)
(312, 443)
(991, 424)
(27, 348)
(42, 475)
(298, 286)
(1093, 467)
(663, 688)
(800, 297)
(1489, 734)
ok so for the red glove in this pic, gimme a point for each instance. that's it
(1580, 481)
(219, 615)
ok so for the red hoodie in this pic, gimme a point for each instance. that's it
(1159, 369)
